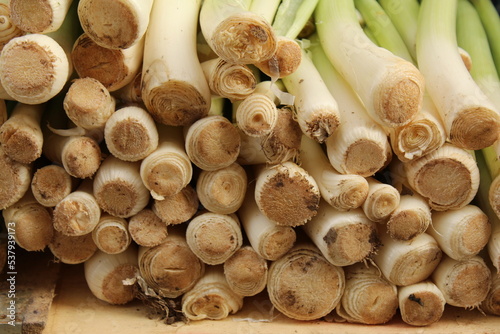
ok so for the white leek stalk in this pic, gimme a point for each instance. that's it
(174, 88)
(72, 249)
(106, 275)
(40, 16)
(359, 145)
(483, 201)
(265, 8)
(98, 20)
(447, 177)
(303, 285)
(171, 268)
(393, 95)
(286, 193)
(50, 184)
(236, 34)
(342, 191)
(48, 56)
(421, 304)
(229, 80)
(246, 272)
(8, 29)
(343, 238)
(78, 213)
(425, 132)
(32, 222)
(178, 208)
(407, 262)
(222, 190)
(471, 120)
(118, 187)
(168, 169)
(381, 201)
(411, 217)
(21, 134)
(257, 114)
(111, 234)
(316, 109)
(214, 237)
(269, 240)
(131, 92)
(15, 179)
(211, 297)
(282, 144)
(114, 68)
(461, 233)
(285, 61)
(88, 103)
(131, 133)
(212, 142)
(463, 283)
(147, 229)
(490, 305)
(369, 298)
(48, 64)
(79, 155)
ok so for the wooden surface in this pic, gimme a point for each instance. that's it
(34, 278)
(76, 310)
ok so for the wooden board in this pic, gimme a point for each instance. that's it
(26, 292)
(76, 310)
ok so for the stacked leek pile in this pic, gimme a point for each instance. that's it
(336, 155)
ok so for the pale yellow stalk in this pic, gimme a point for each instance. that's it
(105, 275)
(39, 16)
(72, 249)
(50, 184)
(421, 304)
(114, 68)
(282, 144)
(178, 208)
(211, 297)
(271, 241)
(229, 80)
(168, 169)
(343, 238)
(461, 233)
(369, 298)
(303, 285)
(342, 191)
(286, 193)
(407, 262)
(381, 201)
(222, 190)
(118, 187)
(212, 142)
(214, 237)
(115, 24)
(246, 271)
(111, 234)
(15, 180)
(21, 134)
(31, 221)
(463, 283)
(131, 133)
(170, 268)
(147, 229)
(447, 177)
(78, 213)
(410, 218)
